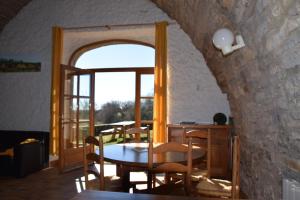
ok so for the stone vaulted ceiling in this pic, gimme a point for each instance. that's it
(9, 9)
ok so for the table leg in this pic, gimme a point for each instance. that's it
(119, 170)
(150, 180)
(125, 176)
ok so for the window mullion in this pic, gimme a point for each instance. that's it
(137, 99)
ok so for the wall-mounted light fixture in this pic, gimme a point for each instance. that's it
(223, 39)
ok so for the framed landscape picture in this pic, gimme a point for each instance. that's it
(18, 66)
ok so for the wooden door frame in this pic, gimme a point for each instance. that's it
(62, 150)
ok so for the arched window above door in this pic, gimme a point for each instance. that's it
(116, 56)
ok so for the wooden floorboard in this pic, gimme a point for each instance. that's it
(48, 184)
(45, 184)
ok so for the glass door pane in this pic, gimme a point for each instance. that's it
(146, 99)
(114, 97)
(76, 115)
(84, 119)
(147, 85)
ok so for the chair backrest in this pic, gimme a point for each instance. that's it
(135, 133)
(202, 134)
(91, 157)
(236, 168)
(170, 167)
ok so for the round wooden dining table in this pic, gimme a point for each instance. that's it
(129, 156)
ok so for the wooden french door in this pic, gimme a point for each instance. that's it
(76, 114)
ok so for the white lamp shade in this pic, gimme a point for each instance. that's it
(223, 38)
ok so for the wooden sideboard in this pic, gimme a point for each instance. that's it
(220, 141)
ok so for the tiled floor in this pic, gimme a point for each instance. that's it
(49, 184)
(45, 184)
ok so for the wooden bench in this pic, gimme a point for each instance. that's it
(113, 132)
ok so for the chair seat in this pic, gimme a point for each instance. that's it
(198, 175)
(214, 187)
(111, 183)
(224, 188)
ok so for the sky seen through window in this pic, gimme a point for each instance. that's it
(117, 86)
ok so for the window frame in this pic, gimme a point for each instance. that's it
(139, 71)
(138, 99)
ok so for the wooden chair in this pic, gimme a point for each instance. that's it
(224, 188)
(199, 173)
(90, 158)
(134, 134)
(169, 188)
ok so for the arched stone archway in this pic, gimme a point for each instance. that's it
(261, 80)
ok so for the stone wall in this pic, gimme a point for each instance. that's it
(262, 81)
(193, 93)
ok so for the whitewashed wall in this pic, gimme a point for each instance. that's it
(193, 94)
(25, 97)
